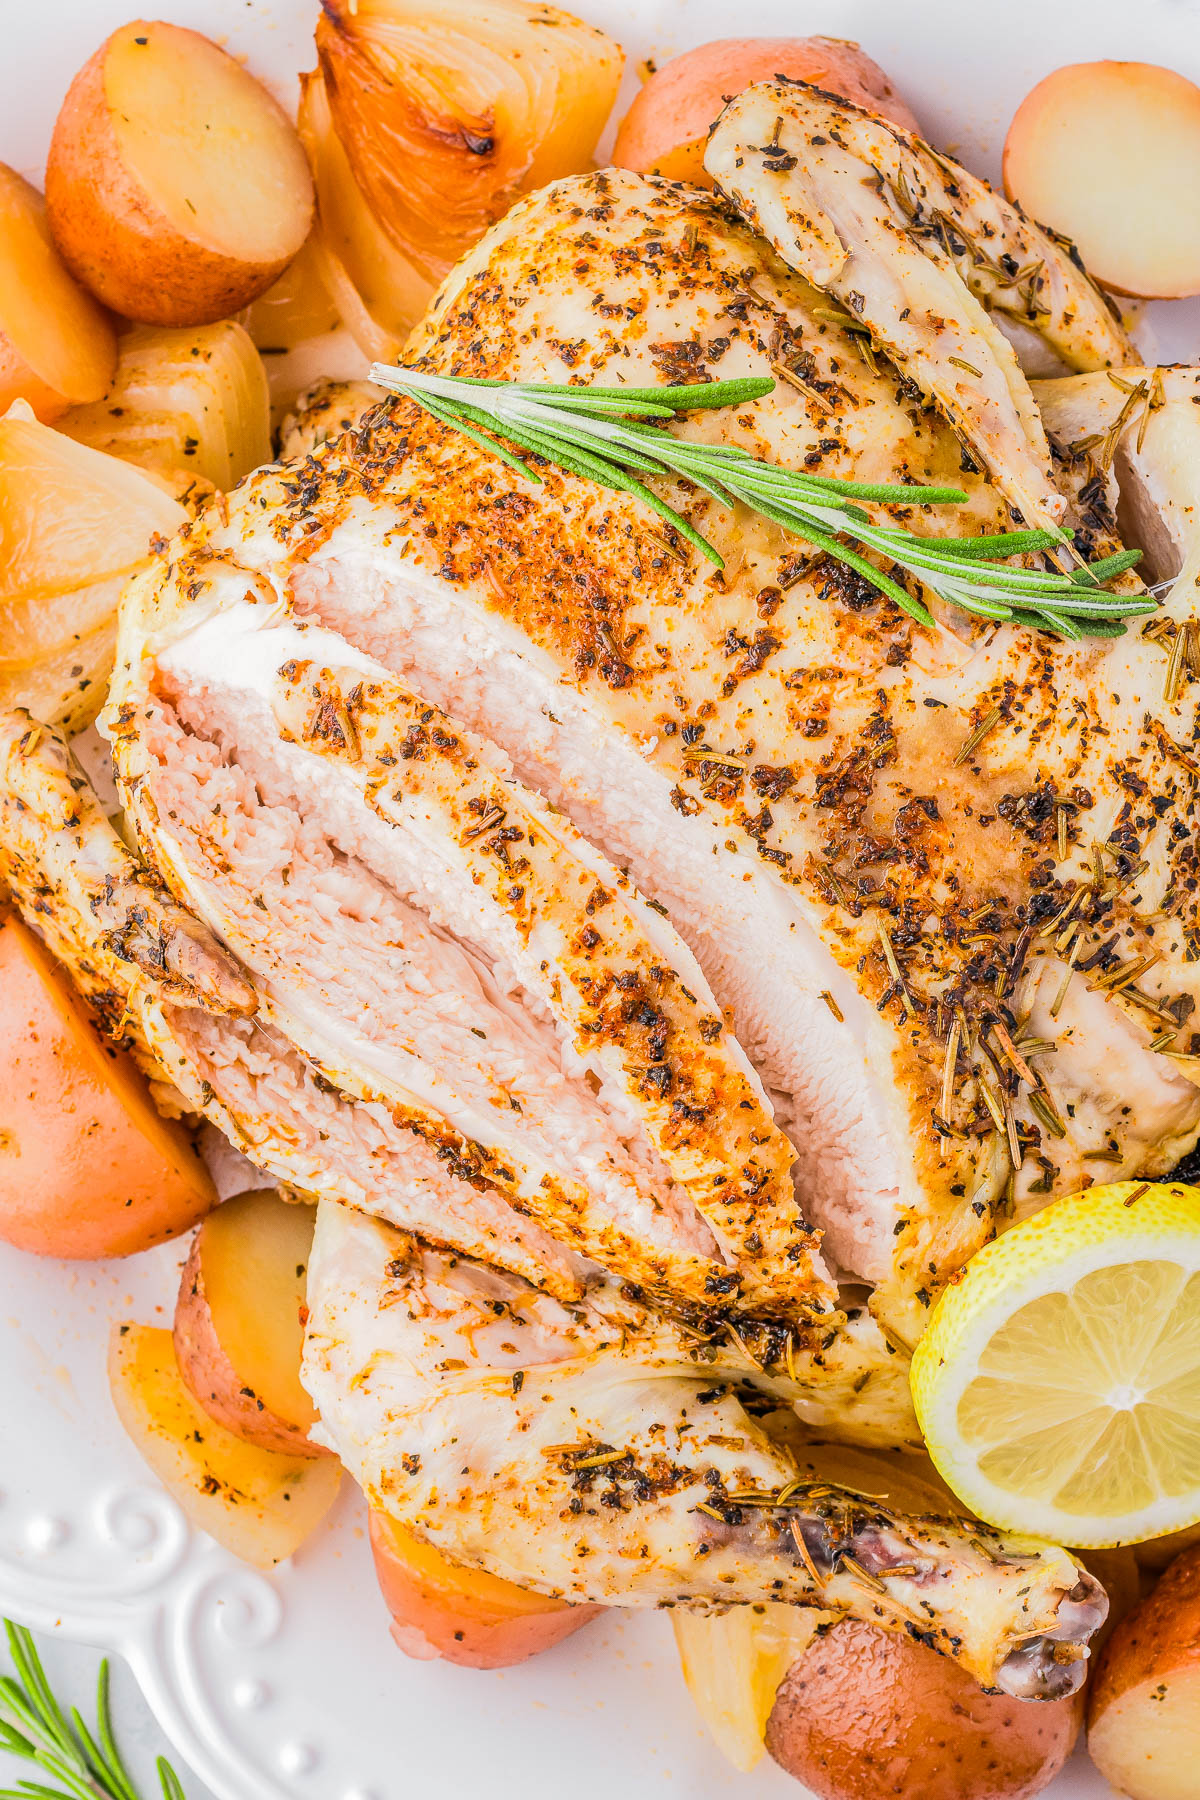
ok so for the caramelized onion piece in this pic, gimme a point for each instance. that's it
(378, 292)
(74, 524)
(194, 398)
(448, 112)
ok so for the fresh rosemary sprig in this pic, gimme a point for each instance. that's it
(33, 1726)
(614, 436)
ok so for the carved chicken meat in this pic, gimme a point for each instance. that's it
(709, 960)
(938, 882)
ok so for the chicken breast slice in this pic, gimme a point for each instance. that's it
(170, 993)
(204, 1055)
(59, 846)
(512, 997)
(917, 251)
(590, 1456)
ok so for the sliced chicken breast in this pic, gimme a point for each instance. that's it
(190, 1014)
(176, 998)
(427, 933)
(940, 885)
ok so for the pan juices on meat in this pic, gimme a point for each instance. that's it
(615, 926)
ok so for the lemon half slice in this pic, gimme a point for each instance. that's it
(1058, 1383)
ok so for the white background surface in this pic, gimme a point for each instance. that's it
(291, 1685)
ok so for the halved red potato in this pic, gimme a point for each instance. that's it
(1144, 1713)
(239, 1320)
(57, 348)
(864, 1713)
(1108, 153)
(259, 1504)
(666, 128)
(444, 1609)
(176, 187)
(88, 1168)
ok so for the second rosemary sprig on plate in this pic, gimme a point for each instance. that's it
(616, 437)
(34, 1728)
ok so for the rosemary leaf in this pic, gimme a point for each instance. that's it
(34, 1727)
(611, 436)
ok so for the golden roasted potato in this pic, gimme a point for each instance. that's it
(259, 1504)
(176, 188)
(239, 1320)
(1144, 1712)
(865, 1714)
(1107, 154)
(56, 346)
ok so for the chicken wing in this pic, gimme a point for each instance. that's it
(586, 1453)
(918, 252)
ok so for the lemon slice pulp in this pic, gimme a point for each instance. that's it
(1058, 1383)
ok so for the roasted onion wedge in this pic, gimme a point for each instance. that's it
(73, 524)
(448, 112)
(379, 294)
(183, 399)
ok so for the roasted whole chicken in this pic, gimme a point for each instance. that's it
(666, 978)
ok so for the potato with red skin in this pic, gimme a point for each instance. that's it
(1107, 153)
(88, 1168)
(1144, 1710)
(463, 1615)
(239, 1320)
(666, 128)
(866, 1714)
(176, 188)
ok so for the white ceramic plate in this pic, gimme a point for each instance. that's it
(290, 1685)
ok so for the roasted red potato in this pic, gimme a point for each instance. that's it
(239, 1320)
(1107, 153)
(666, 128)
(1144, 1714)
(87, 1166)
(176, 187)
(444, 1609)
(865, 1713)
